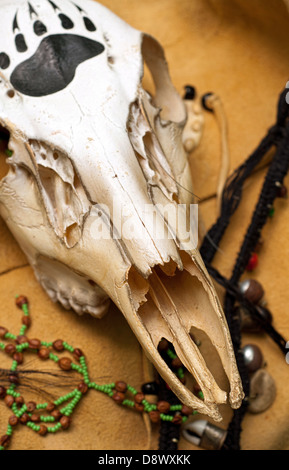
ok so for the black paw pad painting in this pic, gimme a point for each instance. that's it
(52, 66)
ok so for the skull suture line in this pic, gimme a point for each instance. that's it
(84, 133)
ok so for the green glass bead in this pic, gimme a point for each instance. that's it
(128, 403)
(171, 354)
(53, 357)
(46, 345)
(14, 366)
(271, 212)
(132, 390)
(25, 310)
(201, 395)
(22, 330)
(42, 406)
(77, 368)
(10, 336)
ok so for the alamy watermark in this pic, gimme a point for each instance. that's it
(157, 222)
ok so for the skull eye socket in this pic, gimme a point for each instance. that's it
(157, 78)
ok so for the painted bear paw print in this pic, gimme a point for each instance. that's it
(52, 67)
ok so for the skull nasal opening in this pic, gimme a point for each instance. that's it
(158, 82)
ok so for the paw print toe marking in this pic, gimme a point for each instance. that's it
(4, 61)
(39, 28)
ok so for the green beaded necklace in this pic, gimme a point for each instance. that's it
(45, 418)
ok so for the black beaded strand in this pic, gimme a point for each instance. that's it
(277, 136)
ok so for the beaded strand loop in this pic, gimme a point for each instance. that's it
(50, 418)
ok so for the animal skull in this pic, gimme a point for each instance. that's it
(87, 137)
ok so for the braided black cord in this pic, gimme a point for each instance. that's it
(234, 188)
(277, 136)
(169, 432)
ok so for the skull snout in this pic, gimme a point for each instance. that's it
(172, 303)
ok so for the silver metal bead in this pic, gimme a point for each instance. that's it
(203, 434)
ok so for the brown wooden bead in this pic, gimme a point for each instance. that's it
(77, 354)
(24, 418)
(118, 397)
(3, 332)
(19, 401)
(177, 419)
(34, 343)
(139, 407)
(3, 392)
(50, 407)
(58, 345)
(21, 339)
(252, 291)
(18, 357)
(259, 245)
(5, 441)
(10, 349)
(35, 418)
(26, 321)
(56, 415)
(21, 300)
(121, 386)
(65, 364)
(163, 406)
(43, 430)
(31, 406)
(83, 388)
(14, 379)
(155, 416)
(139, 398)
(9, 401)
(282, 192)
(13, 420)
(43, 354)
(65, 422)
(163, 345)
(186, 411)
(176, 363)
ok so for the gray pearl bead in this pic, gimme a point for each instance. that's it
(253, 357)
(262, 392)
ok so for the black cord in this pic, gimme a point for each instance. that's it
(169, 435)
(277, 137)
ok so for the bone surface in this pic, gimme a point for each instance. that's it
(97, 164)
